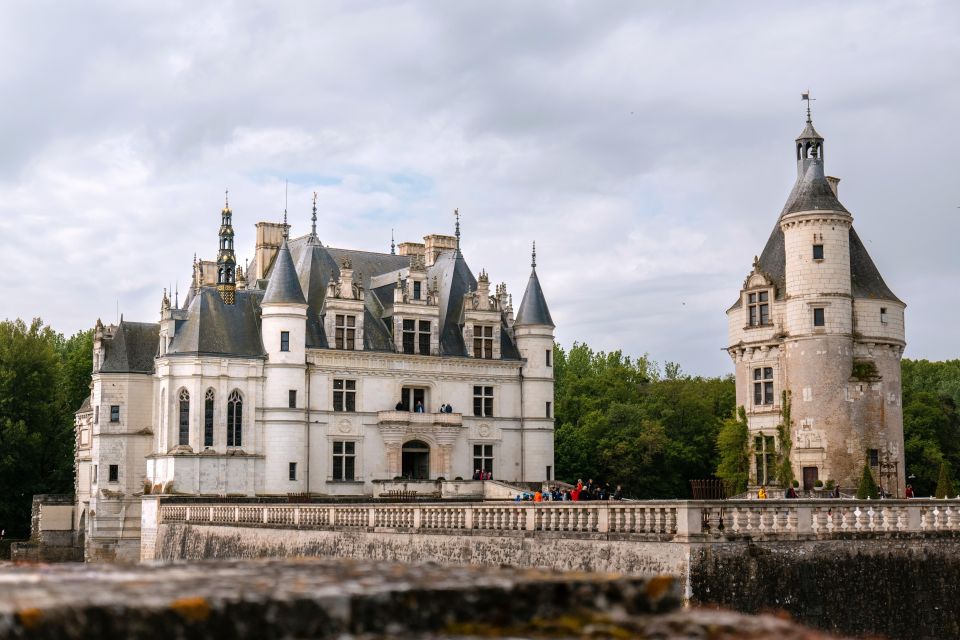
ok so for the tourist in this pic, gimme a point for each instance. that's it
(538, 497)
(791, 493)
(909, 492)
(476, 474)
(400, 406)
(618, 494)
(419, 407)
(449, 408)
(762, 493)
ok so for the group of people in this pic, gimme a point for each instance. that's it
(418, 407)
(582, 492)
(479, 474)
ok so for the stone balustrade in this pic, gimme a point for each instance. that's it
(660, 520)
(412, 417)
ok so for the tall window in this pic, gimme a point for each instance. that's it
(763, 386)
(346, 332)
(764, 454)
(284, 341)
(235, 420)
(874, 455)
(818, 252)
(549, 357)
(113, 473)
(548, 409)
(114, 413)
(344, 395)
(184, 417)
(483, 401)
(819, 318)
(292, 475)
(96, 414)
(482, 341)
(344, 460)
(416, 290)
(292, 398)
(208, 419)
(758, 308)
(409, 335)
(483, 457)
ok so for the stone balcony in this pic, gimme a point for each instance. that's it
(410, 418)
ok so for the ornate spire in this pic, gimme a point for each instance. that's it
(393, 247)
(226, 259)
(313, 219)
(456, 213)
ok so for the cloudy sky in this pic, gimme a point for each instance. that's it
(646, 146)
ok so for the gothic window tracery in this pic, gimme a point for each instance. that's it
(208, 418)
(184, 422)
(235, 419)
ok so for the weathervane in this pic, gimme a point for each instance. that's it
(806, 96)
(456, 213)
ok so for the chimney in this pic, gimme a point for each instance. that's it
(410, 249)
(833, 184)
(436, 244)
(269, 239)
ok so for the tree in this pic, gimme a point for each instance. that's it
(784, 468)
(733, 446)
(944, 484)
(868, 486)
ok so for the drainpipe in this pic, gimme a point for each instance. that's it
(306, 459)
(523, 474)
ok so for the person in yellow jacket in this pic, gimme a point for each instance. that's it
(762, 493)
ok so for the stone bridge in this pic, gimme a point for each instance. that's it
(836, 564)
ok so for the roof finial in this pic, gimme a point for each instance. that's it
(806, 96)
(533, 256)
(313, 218)
(456, 213)
(226, 198)
(286, 227)
(393, 247)
(176, 296)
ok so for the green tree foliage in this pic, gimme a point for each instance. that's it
(868, 486)
(733, 448)
(944, 484)
(784, 473)
(43, 380)
(619, 421)
(931, 420)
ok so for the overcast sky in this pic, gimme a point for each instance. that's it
(647, 147)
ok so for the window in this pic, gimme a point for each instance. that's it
(94, 477)
(344, 395)
(819, 319)
(758, 308)
(184, 434)
(344, 461)
(483, 457)
(409, 335)
(416, 290)
(235, 420)
(96, 414)
(483, 401)
(874, 455)
(346, 332)
(549, 472)
(763, 386)
(284, 341)
(549, 356)
(883, 315)
(208, 419)
(818, 252)
(292, 398)
(423, 337)
(293, 471)
(113, 472)
(416, 336)
(764, 455)
(482, 341)
(114, 413)
(548, 410)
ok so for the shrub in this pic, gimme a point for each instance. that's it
(818, 483)
(830, 484)
(865, 370)
(868, 487)
(944, 485)
(796, 484)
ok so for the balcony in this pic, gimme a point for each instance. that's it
(412, 418)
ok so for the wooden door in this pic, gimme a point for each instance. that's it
(809, 477)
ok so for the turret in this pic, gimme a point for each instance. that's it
(226, 259)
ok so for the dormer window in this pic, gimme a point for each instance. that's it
(758, 308)
(346, 332)
(483, 341)
(416, 336)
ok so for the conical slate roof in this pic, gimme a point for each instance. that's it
(812, 192)
(533, 308)
(284, 285)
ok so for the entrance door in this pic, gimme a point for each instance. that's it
(416, 460)
(410, 396)
(809, 478)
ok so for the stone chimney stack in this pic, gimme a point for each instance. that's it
(436, 244)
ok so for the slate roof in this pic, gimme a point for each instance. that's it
(132, 348)
(812, 192)
(214, 328)
(284, 285)
(84, 406)
(533, 308)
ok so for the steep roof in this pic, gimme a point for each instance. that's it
(284, 285)
(812, 192)
(533, 309)
(212, 327)
(132, 348)
(84, 407)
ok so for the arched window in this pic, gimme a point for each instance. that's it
(208, 419)
(235, 420)
(184, 417)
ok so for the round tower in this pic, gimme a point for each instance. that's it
(283, 330)
(533, 332)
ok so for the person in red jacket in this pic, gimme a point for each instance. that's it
(909, 492)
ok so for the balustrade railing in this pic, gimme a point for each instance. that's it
(663, 520)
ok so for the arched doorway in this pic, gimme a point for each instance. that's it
(416, 460)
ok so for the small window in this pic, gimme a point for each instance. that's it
(114, 413)
(883, 315)
(344, 395)
(483, 401)
(114, 473)
(548, 410)
(819, 319)
(344, 461)
(284, 341)
(818, 252)
(94, 476)
(763, 386)
(96, 414)
(758, 309)
(293, 471)
(292, 398)
(549, 358)
(874, 457)
(416, 290)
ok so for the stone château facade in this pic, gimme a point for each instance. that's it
(314, 371)
(815, 319)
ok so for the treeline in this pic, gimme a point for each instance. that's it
(44, 378)
(627, 421)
